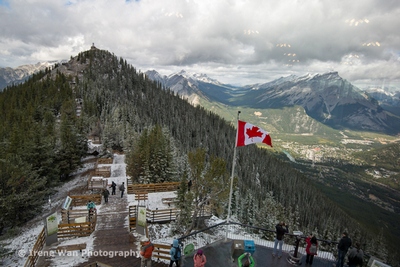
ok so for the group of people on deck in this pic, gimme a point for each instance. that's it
(355, 256)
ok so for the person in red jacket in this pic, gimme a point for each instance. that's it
(311, 248)
(146, 252)
(199, 259)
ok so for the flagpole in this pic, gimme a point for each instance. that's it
(232, 175)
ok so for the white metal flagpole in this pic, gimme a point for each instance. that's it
(232, 175)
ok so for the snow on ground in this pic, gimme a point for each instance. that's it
(22, 244)
(159, 233)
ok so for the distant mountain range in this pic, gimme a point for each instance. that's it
(327, 98)
(10, 76)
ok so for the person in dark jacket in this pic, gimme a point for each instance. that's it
(281, 230)
(343, 247)
(311, 240)
(106, 193)
(356, 256)
(122, 189)
(113, 186)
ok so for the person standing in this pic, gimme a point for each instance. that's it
(281, 230)
(146, 252)
(175, 253)
(113, 186)
(122, 189)
(356, 256)
(199, 259)
(91, 207)
(311, 248)
(106, 193)
(343, 247)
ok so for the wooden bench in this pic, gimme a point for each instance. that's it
(161, 251)
(141, 196)
(71, 247)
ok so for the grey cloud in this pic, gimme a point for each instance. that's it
(239, 36)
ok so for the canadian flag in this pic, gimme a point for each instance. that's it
(249, 134)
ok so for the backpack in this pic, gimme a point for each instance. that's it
(313, 249)
(177, 254)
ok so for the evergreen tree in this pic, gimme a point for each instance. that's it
(210, 183)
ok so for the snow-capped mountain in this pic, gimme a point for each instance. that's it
(327, 98)
(189, 85)
(19, 74)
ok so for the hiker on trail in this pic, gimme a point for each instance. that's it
(113, 186)
(343, 247)
(175, 253)
(199, 259)
(122, 189)
(106, 193)
(356, 256)
(248, 262)
(146, 252)
(311, 248)
(281, 230)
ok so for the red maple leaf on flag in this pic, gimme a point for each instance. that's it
(254, 132)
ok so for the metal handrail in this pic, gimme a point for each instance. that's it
(296, 243)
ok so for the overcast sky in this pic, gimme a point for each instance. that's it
(234, 41)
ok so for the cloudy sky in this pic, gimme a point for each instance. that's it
(234, 41)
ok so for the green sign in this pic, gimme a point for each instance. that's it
(52, 224)
(141, 218)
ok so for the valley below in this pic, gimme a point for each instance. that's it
(359, 171)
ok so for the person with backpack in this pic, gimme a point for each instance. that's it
(175, 253)
(122, 189)
(311, 248)
(113, 186)
(356, 256)
(146, 252)
(199, 259)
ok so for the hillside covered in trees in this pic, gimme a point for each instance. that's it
(43, 141)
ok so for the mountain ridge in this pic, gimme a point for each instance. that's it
(327, 98)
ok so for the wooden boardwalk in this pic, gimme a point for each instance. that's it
(112, 235)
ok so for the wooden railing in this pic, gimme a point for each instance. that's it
(82, 200)
(159, 216)
(141, 196)
(69, 230)
(37, 247)
(151, 188)
(104, 171)
(96, 182)
(132, 217)
(161, 251)
(69, 216)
